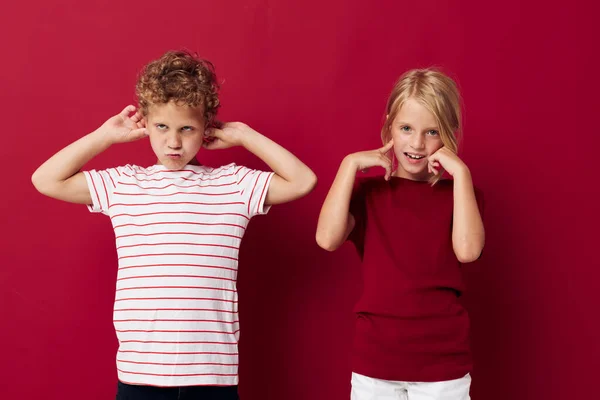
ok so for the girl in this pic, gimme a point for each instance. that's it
(412, 230)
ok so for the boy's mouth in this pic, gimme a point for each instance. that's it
(174, 156)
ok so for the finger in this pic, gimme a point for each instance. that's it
(215, 132)
(212, 144)
(137, 134)
(387, 146)
(137, 117)
(126, 111)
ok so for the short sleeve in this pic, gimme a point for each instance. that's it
(358, 209)
(102, 185)
(253, 186)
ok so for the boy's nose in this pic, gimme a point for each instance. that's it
(174, 141)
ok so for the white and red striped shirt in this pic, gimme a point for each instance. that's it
(178, 234)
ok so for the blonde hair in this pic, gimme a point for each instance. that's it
(435, 91)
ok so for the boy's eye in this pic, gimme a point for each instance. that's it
(161, 126)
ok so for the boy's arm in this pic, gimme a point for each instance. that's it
(292, 179)
(335, 220)
(59, 176)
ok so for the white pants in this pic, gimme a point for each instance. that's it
(365, 388)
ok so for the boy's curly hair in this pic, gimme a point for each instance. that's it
(182, 77)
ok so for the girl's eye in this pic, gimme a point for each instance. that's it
(161, 126)
(405, 128)
(432, 133)
(186, 128)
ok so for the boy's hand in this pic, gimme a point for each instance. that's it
(124, 128)
(364, 160)
(447, 160)
(230, 134)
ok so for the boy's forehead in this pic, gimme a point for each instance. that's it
(175, 111)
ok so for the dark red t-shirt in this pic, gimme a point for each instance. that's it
(410, 324)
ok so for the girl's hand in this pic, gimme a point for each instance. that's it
(123, 128)
(374, 158)
(447, 160)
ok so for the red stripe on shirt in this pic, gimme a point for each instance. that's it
(176, 276)
(176, 287)
(221, 353)
(183, 223)
(111, 179)
(175, 342)
(178, 233)
(178, 254)
(173, 331)
(176, 193)
(169, 375)
(252, 193)
(178, 213)
(176, 364)
(244, 177)
(177, 320)
(180, 178)
(95, 190)
(105, 190)
(179, 244)
(233, 203)
(261, 197)
(178, 265)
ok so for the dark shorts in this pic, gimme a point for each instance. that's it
(135, 392)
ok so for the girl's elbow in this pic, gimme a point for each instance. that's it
(326, 242)
(467, 255)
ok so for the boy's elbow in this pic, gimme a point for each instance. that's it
(37, 182)
(309, 184)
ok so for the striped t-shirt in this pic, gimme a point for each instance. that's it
(178, 233)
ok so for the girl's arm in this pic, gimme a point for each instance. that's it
(468, 234)
(335, 220)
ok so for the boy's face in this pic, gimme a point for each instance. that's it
(176, 133)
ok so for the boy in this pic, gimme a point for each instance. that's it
(178, 228)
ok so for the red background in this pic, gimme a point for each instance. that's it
(314, 76)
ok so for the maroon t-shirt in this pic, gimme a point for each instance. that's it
(410, 324)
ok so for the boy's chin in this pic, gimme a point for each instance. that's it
(176, 163)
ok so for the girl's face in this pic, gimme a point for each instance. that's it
(416, 137)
